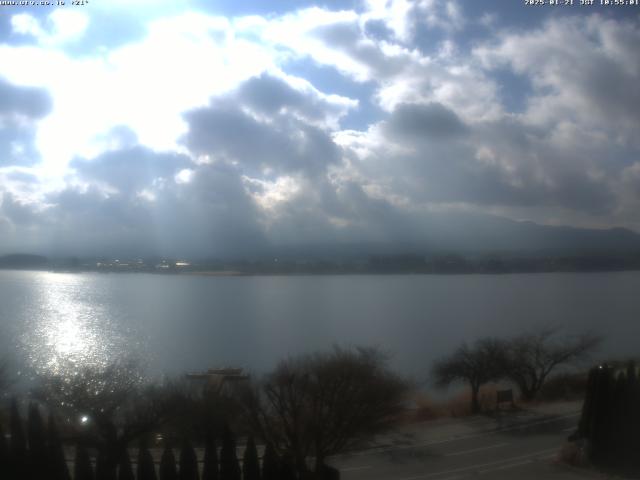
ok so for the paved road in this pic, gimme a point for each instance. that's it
(514, 447)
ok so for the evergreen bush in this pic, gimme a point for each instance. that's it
(250, 463)
(168, 465)
(210, 469)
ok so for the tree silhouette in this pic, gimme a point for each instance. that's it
(210, 468)
(82, 468)
(18, 443)
(287, 468)
(146, 469)
(188, 462)
(4, 450)
(250, 463)
(57, 461)
(611, 415)
(601, 432)
(586, 424)
(229, 468)
(105, 469)
(270, 464)
(476, 365)
(125, 470)
(532, 357)
(632, 413)
(168, 465)
(324, 404)
(37, 440)
(120, 406)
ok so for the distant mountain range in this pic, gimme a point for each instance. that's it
(482, 233)
(470, 236)
(23, 261)
(473, 234)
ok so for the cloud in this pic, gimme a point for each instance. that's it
(270, 95)
(211, 215)
(432, 121)
(193, 138)
(28, 102)
(425, 155)
(278, 120)
(131, 169)
(20, 109)
(145, 84)
(17, 212)
(592, 85)
(62, 25)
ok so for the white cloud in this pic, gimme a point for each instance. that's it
(270, 194)
(395, 14)
(26, 24)
(146, 85)
(62, 25)
(68, 24)
(271, 142)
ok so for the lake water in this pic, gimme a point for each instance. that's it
(54, 322)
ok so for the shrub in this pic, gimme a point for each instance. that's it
(229, 468)
(146, 469)
(82, 468)
(210, 470)
(125, 471)
(566, 386)
(168, 465)
(188, 462)
(250, 464)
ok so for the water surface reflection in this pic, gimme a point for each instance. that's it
(69, 327)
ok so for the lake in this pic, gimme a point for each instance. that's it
(56, 322)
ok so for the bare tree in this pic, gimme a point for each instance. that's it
(476, 365)
(110, 407)
(532, 357)
(323, 404)
(202, 411)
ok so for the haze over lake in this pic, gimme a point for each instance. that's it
(56, 322)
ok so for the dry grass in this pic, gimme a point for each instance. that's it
(457, 406)
(426, 408)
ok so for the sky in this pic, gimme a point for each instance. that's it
(223, 128)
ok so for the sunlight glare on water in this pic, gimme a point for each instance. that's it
(69, 328)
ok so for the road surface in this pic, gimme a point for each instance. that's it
(518, 447)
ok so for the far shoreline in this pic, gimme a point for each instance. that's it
(239, 273)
